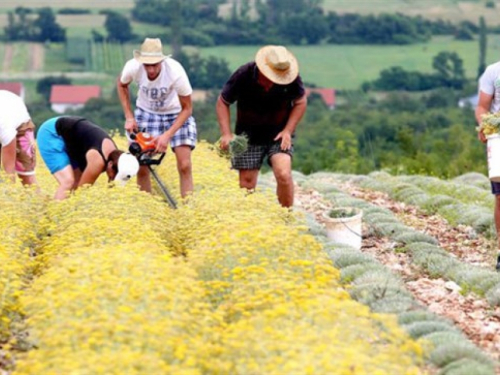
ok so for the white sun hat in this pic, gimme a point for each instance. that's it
(128, 166)
(151, 52)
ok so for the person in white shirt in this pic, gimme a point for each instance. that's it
(489, 102)
(17, 138)
(163, 108)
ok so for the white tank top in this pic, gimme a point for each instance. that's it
(160, 96)
(489, 83)
(13, 113)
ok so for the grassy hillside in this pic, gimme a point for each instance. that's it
(346, 67)
(453, 10)
(339, 66)
(56, 4)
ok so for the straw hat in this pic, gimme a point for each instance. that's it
(150, 52)
(277, 64)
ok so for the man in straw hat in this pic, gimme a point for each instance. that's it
(271, 101)
(163, 107)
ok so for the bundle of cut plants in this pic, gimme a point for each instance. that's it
(490, 124)
(237, 146)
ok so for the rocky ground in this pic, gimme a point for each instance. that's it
(475, 317)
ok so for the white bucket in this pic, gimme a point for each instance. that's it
(493, 151)
(345, 230)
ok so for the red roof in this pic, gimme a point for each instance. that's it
(328, 95)
(14, 87)
(73, 94)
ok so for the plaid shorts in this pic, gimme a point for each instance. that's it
(26, 149)
(254, 156)
(156, 124)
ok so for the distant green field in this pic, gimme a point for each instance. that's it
(452, 10)
(57, 4)
(347, 67)
(340, 67)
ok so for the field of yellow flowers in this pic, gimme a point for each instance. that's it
(113, 281)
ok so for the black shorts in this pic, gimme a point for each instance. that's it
(254, 156)
(495, 188)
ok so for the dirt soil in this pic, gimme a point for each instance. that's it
(37, 56)
(471, 313)
(7, 59)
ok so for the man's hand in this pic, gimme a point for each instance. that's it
(481, 136)
(131, 125)
(224, 141)
(162, 142)
(286, 140)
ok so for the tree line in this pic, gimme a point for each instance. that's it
(197, 22)
(403, 133)
(449, 72)
(278, 20)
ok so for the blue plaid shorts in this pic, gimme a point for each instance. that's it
(156, 125)
(254, 156)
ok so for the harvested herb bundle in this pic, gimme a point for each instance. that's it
(237, 146)
(490, 124)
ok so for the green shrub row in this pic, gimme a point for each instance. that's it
(373, 284)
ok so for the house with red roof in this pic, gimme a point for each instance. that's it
(328, 95)
(14, 87)
(65, 97)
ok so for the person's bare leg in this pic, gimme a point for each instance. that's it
(185, 169)
(78, 174)
(282, 169)
(144, 178)
(28, 180)
(497, 227)
(66, 179)
(248, 178)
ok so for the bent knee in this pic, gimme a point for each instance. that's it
(283, 177)
(184, 166)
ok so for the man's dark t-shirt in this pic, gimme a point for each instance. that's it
(261, 114)
(80, 136)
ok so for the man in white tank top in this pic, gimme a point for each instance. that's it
(489, 102)
(163, 108)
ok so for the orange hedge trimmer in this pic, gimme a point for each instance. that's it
(143, 148)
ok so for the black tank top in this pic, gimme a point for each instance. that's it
(80, 135)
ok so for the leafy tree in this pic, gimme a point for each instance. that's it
(313, 28)
(43, 28)
(118, 27)
(163, 12)
(209, 73)
(450, 69)
(151, 11)
(381, 29)
(482, 46)
(19, 26)
(47, 27)
(106, 112)
(176, 26)
(279, 10)
(44, 85)
(450, 73)
(464, 32)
